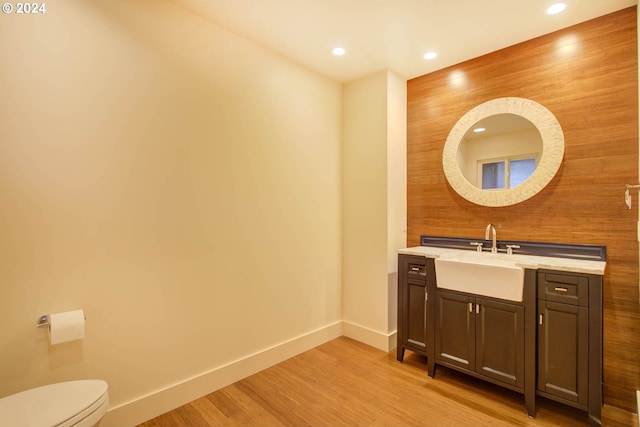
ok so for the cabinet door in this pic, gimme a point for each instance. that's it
(563, 350)
(455, 330)
(500, 341)
(415, 316)
(412, 304)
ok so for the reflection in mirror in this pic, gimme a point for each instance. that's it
(500, 151)
(488, 177)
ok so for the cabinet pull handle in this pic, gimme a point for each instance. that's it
(560, 289)
(477, 308)
(540, 318)
(415, 268)
(426, 296)
(470, 307)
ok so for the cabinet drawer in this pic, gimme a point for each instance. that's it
(417, 271)
(566, 288)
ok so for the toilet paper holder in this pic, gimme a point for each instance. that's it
(43, 322)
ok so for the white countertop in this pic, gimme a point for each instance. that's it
(524, 261)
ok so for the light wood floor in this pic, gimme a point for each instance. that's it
(347, 383)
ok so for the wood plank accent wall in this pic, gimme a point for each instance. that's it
(587, 75)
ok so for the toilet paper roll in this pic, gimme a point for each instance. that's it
(67, 326)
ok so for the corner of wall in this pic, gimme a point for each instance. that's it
(384, 342)
(370, 294)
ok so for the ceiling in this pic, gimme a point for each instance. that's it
(392, 34)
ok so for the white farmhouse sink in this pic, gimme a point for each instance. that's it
(486, 274)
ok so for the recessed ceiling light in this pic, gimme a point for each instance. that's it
(338, 51)
(556, 8)
(478, 130)
(430, 55)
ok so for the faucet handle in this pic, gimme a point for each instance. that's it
(510, 249)
(478, 246)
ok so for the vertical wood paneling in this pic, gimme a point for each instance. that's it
(587, 75)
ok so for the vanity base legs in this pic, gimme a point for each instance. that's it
(530, 402)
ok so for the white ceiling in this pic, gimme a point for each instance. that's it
(392, 34)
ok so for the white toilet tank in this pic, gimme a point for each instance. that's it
(80, 403)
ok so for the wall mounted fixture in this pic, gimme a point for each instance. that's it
(43, 322)
(627, 196)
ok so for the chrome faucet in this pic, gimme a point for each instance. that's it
(494, 247)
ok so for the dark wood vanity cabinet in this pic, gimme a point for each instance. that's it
(548, 344)
(416, 283)
(488, 338)
(569, 347)
(483, 336)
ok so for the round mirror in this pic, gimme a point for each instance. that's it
(503, 152)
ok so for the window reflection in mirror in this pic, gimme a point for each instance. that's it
(503, 155)
(520, 170)
(493, 175)
(505, 173)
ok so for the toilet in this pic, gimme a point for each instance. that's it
(80, 403)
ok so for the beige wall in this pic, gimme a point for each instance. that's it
(396, 189)
(374, 205)
(364, 202)
(178, 183)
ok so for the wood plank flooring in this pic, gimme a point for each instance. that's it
(347, 383)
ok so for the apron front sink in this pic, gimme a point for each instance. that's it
(491, 275)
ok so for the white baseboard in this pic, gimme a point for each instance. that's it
(163, 400)
(379, 340)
